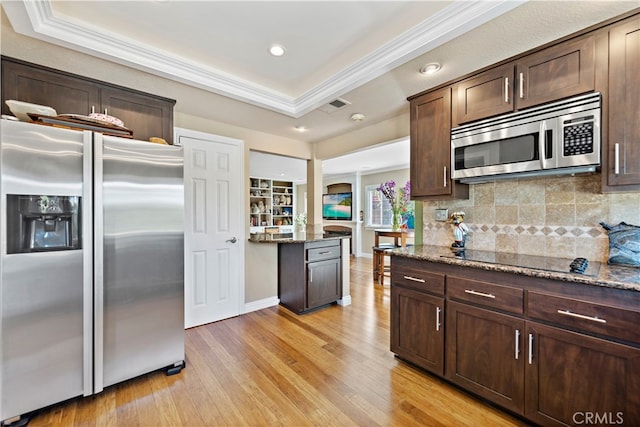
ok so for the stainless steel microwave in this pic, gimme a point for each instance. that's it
(558, 138)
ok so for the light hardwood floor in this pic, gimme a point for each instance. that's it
(331, 367)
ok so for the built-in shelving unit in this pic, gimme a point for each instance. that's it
(271, 203)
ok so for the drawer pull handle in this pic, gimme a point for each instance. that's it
(437, 319)
(414, 279)
(582, 316)
(480, 294)
(324, 253)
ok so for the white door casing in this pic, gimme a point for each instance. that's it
(214, 232)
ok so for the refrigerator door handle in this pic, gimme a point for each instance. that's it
(87, 262)
(98, 263)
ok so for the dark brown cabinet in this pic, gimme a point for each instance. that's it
(145, 114)
(417, 334)
(63, 92)
(430, 152)
(485, 95)
(417, 314)
(309, 274)
(623, 168)
(323, 282)
(551, 351)
(553, 73)
(570, 376)
(484, 354)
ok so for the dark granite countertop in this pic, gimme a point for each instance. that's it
(290, 238)
(612, 276)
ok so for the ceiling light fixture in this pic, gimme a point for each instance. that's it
(430, 68)
(301, 128)
(276, 50)
(357, 117)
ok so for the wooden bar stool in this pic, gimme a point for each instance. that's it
(379, 264)
(399, 240)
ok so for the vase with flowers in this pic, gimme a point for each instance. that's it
(301, 222)
(398, 199)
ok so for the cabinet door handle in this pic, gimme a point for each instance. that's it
(444, 175)
(521, 85)
(517, 344)
(414, 279)
(506, 90)
(310, 275)
(437, 319)
(617, 158)
(582, 316)
(530, 349)
(480, 294)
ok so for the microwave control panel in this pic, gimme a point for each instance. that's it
(578, 136)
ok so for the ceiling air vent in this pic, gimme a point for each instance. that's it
(334, 105)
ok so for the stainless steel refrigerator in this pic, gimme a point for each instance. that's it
(92, 270)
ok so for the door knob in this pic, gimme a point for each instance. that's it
(232, 240)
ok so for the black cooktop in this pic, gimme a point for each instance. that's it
(561, 265)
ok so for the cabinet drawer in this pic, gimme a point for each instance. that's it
(412, 274)
(584, 315)
(322, 253)
(488, 294)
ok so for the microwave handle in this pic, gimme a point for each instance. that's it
(541, 143)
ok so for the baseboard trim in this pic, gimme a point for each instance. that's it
(345, 300)
(260, 304)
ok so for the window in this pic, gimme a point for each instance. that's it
(378, 209)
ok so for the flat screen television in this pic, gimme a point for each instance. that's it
(337, 206)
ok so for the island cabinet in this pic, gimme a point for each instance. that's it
(309, 274)
(550, 351)
(623, 151)
(430, 148)
(145, 114)
(557, 72)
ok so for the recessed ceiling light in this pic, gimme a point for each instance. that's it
(301, 128)
(430, 68)
(357, 117)
(276, 50)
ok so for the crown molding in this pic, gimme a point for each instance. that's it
(36, 19)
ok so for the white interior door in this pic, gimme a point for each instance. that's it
(214, 232)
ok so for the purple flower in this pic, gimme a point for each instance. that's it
(388, 190)
(399, 201)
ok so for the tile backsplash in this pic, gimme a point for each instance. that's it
(544, 216)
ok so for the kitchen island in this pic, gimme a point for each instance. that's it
(521, 331)
(312, 269)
